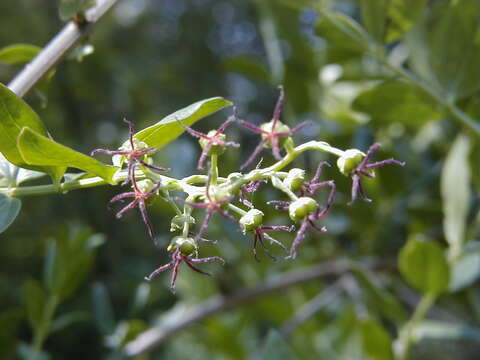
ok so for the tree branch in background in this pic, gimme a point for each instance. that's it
(65, 40)
(155, 336)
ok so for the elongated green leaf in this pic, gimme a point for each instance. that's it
(455, 187)
(18, 53)
(424, 266)
(168, 129)
(40, 150)
(103, 314)
(35, 301)
(376, 341)
(14, 115)
(9, 209)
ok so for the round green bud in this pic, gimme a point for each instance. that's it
(251, 220)
(119, 160)
(349, 161)
(294, 179)
(145, 185)
(279, 128)
(301, 208)
(214, 149)
(186, 245)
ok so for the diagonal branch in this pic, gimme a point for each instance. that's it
(66, 39)
(155, 336)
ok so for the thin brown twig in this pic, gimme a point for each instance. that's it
(155, 336)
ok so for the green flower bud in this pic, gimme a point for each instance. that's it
(301, 208)
(234, 176)
(145, 185)
(251, 220)
(214, 149)
(294, 179)
(349, 161)
(186, 245)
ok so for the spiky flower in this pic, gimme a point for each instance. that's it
(183, 250)
(143, 190)
(357, 164)
(273, 133)
(212, 143)
(133, 152)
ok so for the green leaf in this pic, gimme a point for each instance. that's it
(376, 341)
(102, 309)
(424, 266)
(9, 209)
(71, 9)
(444, 47)
(68, 319)
(36, 149)
(396, 102)
(18, 53)
(276, 347)
(345, 37)
(35, 301)
(14, 115)
(12, 176)
(455, 188)
(389, 20)
(168, 129)
(466, 268)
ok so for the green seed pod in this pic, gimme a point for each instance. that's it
(349, 161)
(294, 179)
(186, 245)
(251, 220)
(119, 160)
(301, 208)
(214, 149)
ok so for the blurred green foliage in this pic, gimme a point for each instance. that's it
(343, 65)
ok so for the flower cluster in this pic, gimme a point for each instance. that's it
(232, 197)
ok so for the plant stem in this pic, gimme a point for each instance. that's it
(405, 339)
(65, 40)
(213, 169)
(41, 332)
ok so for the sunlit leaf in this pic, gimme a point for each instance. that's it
(168, 129)
(424, 266)
(36, 149)
(9, 209)
(376, 341)
(18, 53)
(430, 329)
(455, 187)
(14, 115)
